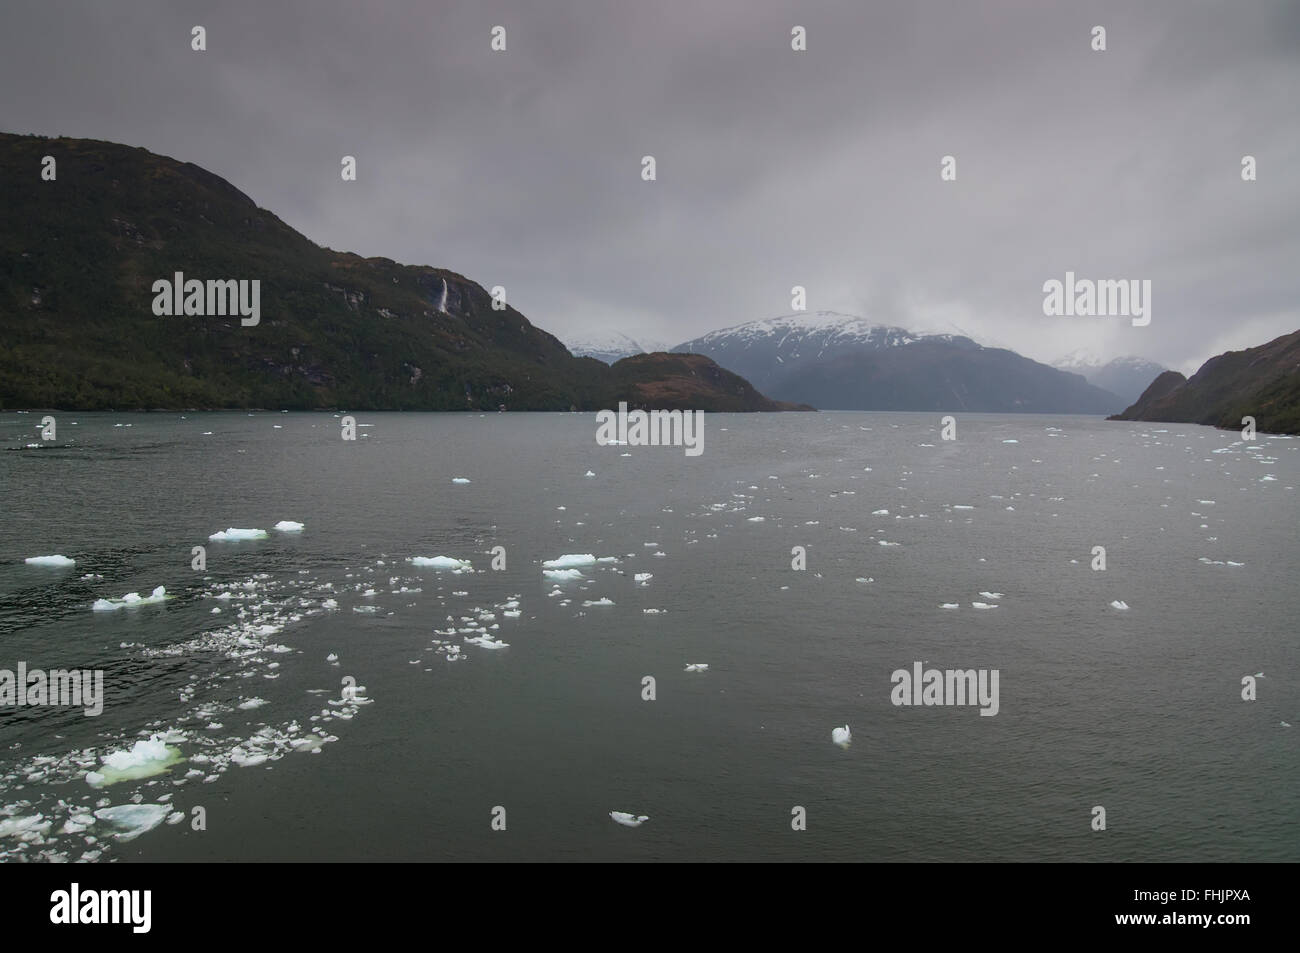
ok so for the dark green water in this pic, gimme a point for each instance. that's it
(1139, 711)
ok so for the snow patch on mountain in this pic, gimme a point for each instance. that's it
(808, 334)
(610, 346)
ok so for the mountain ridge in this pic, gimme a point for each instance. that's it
(79, 256)
(1261, 382)
(839, 361)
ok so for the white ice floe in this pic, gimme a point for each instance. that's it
(950, 605)
(131, 599)
(232, 533)
(441, 562)
(569, 561)
(132, 820)
(589, 473)
(460, 479)
(561, 574)
(1119, 604)
(643, 577)
(604, 601)
(628, 820)
(32, 827)
(982, 605)
(842, 736)
(289, 526)
(144, 759)
(991, 595)
(697, 666)
(49, 561)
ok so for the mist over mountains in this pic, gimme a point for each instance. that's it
(838, 361)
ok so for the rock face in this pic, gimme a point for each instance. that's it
(842, 362)
(80, 255)
(1262, 382)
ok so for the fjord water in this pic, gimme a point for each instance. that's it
(1138, 711)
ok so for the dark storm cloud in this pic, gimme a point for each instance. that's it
(775, 168)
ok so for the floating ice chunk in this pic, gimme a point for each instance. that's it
(842, 736)
(252, 703)
(144, 759)
(132, 820)
(236, 534)
(865, 579)
(24, 828)
(697, 666)
(441, 562)
(643, 577)
(603, 601)
(961, 507)
(289, 526)
(991, 595)
(460, 479)
(569, 561)
(628, 820)
(886, 543)
(950, 605)
(131, 599)
(1010, 441)
(589, 473)
(880, 512)
(561, 574)
(1119, 604)
(49, 561)
(757, 519)
(982, 605)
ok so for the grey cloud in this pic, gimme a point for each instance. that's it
(775, 168)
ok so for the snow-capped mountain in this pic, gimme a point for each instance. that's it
(610, 346)
(840, 361)
(805, 334)
(1126, 377)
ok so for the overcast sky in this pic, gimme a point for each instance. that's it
(775, 168)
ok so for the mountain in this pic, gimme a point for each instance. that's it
(79, 256)
(843, 362)
(1125, 377)
(685, 381)
(1261, 382)
(609, 346)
